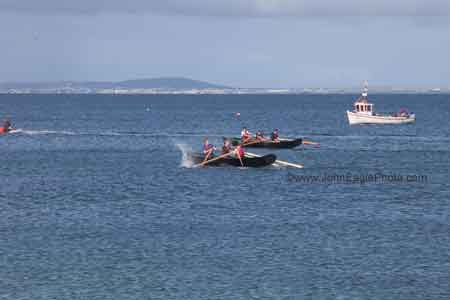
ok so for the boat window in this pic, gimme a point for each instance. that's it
(369, 108)
(357, 107)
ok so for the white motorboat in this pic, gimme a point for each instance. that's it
(363, 113)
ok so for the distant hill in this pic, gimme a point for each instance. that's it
(166, 83)
(181, 85)
(170, 83)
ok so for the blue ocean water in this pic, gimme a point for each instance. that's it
(97, 201)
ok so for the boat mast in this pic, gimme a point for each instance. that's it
(365, 90)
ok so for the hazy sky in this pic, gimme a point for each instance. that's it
(248, 43)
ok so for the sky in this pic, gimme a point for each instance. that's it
(242, 43)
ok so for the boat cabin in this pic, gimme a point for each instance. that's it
(362, 105)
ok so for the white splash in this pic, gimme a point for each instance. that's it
(42, 132)
(15, 131)
(186, 162)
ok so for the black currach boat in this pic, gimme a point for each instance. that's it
(254, 162)
(282, 144)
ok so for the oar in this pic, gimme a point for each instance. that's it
(288, 164)
(214, 159)
(208, 154)
(305, 142)
(251, 143)
(280, 162)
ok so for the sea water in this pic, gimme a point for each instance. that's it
(97, 200)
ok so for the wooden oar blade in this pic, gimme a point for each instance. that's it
(305, 142)
(288, 164)
(251, 143)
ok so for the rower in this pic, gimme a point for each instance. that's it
(226, 148)
(6, 126)
(245, 135)
(208, 149)
(240, 151)
(260, 136)
(274, 136)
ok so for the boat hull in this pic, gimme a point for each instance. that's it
(355, 118)
(253, 162)
(282, 144)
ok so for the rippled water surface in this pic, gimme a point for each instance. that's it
(97, 202)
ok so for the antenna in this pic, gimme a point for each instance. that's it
(366, 89)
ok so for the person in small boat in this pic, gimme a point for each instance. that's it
(240, 151)
(260, 136)
(245, 135)
(403, 113)
(6, 127)
(274, 136)
(208, 149)
(226, 148)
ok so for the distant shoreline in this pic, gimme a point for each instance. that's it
(186, 86)
(233, 92)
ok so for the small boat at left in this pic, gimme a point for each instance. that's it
(6, 127)
(254, 162)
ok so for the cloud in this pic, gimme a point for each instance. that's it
(235, 8)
